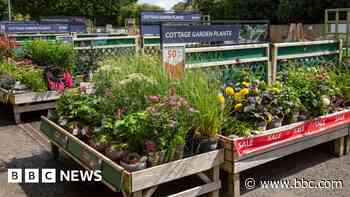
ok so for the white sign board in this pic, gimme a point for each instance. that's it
(174, 60)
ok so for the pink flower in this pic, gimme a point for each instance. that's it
(67, 77)
(60, 86)
(154, 99)
(51, 84)
(82, 89)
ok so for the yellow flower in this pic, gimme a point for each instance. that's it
(276, 90)
(230, 91)
(244, 92)
(238, 106)
(221, 99)
(237, 97)
(246, 84)
(269, 118)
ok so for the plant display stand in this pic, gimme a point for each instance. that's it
(142, 183)
(28, 101)
(245, 153)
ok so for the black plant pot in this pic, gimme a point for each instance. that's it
(115, 155)
(141, 165)
(207, 145)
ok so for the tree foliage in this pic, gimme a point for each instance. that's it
(277, 11)
(108, 10)
(3, 9)
(101, 11)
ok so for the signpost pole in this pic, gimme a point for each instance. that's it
(9, 9)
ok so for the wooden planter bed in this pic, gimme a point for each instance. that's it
(142, 183)
(245, 153)
(28, 101)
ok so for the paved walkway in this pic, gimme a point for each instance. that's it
(19, 150)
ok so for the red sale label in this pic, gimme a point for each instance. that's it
(252, 144)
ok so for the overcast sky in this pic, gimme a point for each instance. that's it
(167, 4)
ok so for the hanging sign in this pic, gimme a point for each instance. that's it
(150, 21)
(174, 61)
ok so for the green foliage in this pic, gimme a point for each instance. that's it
(43, 53)
(131, 79)
(202, 94)
(312, 85)
(79, 107)
(107, 11)
(277, 11)
(32, 78)
(3, 8)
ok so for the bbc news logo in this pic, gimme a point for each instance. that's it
(52, 176)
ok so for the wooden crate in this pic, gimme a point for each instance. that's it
(235, 163)
(29, 101)
(141, 183)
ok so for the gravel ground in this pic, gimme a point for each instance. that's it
(20, 150)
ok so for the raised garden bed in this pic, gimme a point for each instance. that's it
(29, 101)
(245, 153)
(139, 183)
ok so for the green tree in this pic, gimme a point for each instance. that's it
(3, 9)
(181, 6)
(108, 10)
(277, 11)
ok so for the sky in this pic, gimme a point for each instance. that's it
(167, 4)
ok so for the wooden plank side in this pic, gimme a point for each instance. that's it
(175, 170)
(228, 166)
(33, 107)
(4, 95)
(98, 154)
(226, 62)
(113, 174)
(288, 44)
(200, 190)
(265, 157)
(113, 188)
(225, 48)
(33, 97)
(304, 55)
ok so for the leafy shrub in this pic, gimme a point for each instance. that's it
(32, 78)
(43, 53)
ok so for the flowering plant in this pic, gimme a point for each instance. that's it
(6, 46)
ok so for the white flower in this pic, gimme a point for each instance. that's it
(325, 100)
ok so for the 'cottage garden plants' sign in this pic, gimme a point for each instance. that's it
(199, 33)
